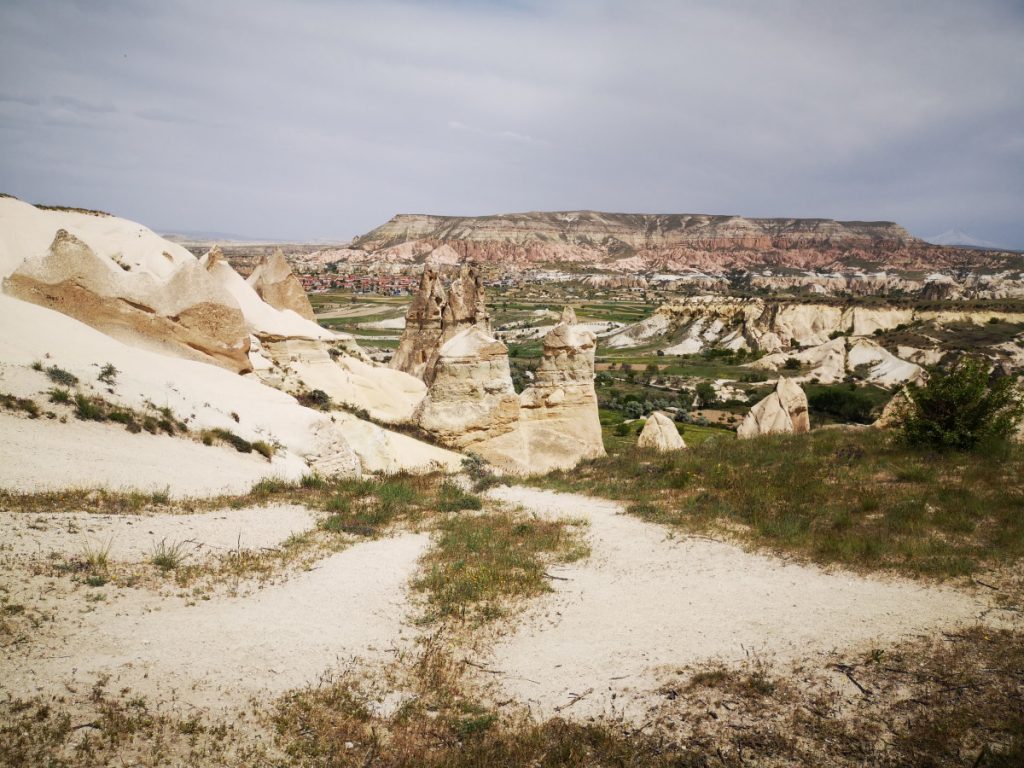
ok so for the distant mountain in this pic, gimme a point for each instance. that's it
(630, 243)
(957, 238)
(189, 236)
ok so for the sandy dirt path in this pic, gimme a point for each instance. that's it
(218, 653)
(645, 603)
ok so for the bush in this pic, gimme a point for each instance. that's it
(961, 408)
(108, 374)
(843, 403)
(315, 399)
(792, 364)
(60, 395)
(62, 377)
(89, 409)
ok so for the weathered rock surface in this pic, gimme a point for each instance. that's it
(660, 433)
(436, 315)
(632, 243)
(472, 405)
(893, 410)
(471, 398)
(783, 411)
(560, 410)
(275, 283)
(184, 312)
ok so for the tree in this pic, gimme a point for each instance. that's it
(791, 364)
(706, 394)
(961, 408)
(633, 410)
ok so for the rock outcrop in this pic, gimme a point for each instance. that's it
(559, 412)
(660, 433)
(472, 405)
(436, 315)
(184, 312)
(783, 411)
(471, 398)
(275, 283)
(893, 410)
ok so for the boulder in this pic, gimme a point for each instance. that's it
(783, 411)
(275, 283)
(892, 411)
(660, 433)
(471, 398)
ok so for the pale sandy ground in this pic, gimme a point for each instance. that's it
(43, 454)
(215, 654)
(134, 537)
(359, 310)
(645, 603)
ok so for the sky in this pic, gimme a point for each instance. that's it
(311, 119)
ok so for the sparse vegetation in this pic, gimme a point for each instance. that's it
(316, 398)
(108, 374)
(166, 556)
(61, 377)
(961, 409)
(22, 404)
(854, 498)
(60, 396)
(483, 561)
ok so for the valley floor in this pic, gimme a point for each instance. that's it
(622, 631)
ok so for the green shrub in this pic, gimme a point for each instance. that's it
(451, 498)
(315, 399)
(108, 374)
(792, 364)
(88, 409)
(60, 395)
(844, 403)
(62, 377)
(961, 408)
(20, 404)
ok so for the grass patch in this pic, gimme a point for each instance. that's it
(482, 562)
(168, 557)
(61, 377)
(22, 404)
(853, 498)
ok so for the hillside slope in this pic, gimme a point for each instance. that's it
(627, 242)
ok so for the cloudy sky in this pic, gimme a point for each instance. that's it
(322, 119)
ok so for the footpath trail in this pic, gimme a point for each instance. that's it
(215, 654)
(648, 602)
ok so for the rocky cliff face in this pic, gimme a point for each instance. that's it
(692, 324)
(644, 242)
(436, 315)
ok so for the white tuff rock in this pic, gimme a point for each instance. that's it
(660, 433)
(783, 411)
